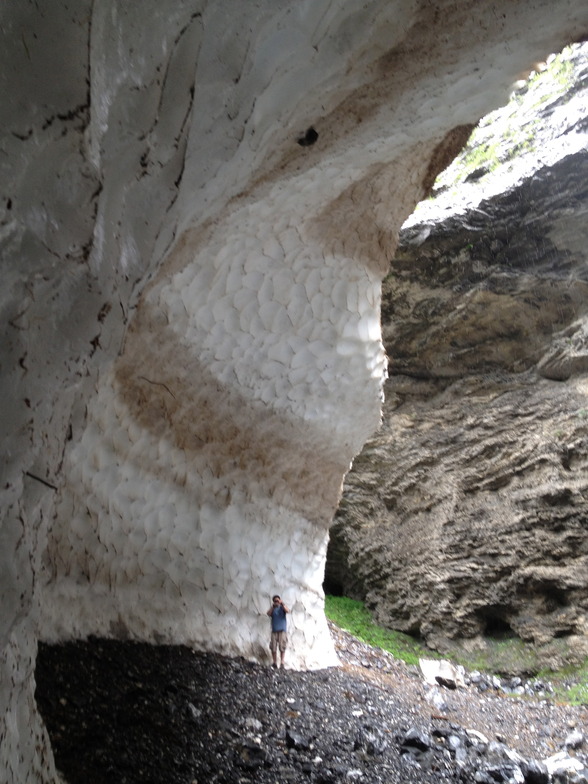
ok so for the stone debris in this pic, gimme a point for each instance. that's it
(574, 740)
(442, 672)
(131, 712)
(563, 767)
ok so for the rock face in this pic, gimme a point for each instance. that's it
(465, 516)
(199, 204)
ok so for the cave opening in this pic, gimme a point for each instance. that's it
(494, 624)
(555, 598)
(333, 586)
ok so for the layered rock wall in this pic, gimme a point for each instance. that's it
(192, 354)
(464, 519)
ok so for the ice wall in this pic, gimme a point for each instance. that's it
(211, 462)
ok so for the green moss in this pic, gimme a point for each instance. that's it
(577, 694)
(352, 616)
(499, 656)
(570, 684)
(511, 132)
(559, 72)
(480, 156)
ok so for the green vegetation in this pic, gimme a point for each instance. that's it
(577, 694)
(559, 76)
(499, 656)
(482, 155)
(570, 684)
(511, 131)
(353, 617)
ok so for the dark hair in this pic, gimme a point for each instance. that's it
(277, 596)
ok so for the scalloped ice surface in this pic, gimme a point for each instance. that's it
(212, 457)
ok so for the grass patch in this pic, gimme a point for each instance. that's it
(569, 684)
(502, 657)
(352, 616)
(499, 657)
(510, 132)
(576, 694)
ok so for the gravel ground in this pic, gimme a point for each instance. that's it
(123, 712)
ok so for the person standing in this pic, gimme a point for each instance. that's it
(279, 637)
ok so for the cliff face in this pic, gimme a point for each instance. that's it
(199, 203)
(465, 516)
